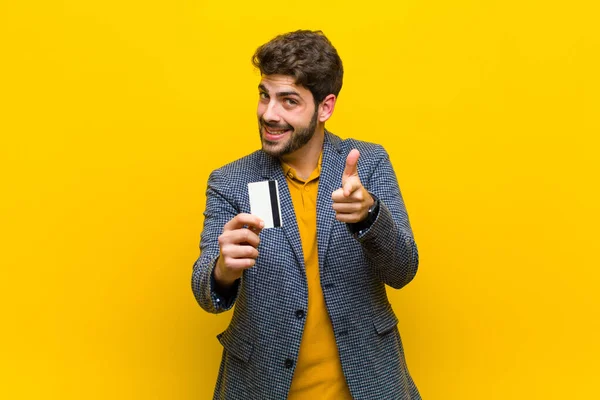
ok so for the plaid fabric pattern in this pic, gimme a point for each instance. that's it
(261, 343)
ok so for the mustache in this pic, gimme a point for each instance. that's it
(275, 126)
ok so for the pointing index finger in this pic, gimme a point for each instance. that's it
(351, 168)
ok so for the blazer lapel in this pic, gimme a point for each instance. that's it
(329, 181)
(272, 171)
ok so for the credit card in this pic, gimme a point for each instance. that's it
(264, 202)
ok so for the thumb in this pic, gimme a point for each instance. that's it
(351, 164)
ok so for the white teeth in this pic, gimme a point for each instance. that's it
(278, 132)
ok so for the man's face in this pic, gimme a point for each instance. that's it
(287, 116)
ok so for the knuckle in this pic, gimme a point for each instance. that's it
(226, 252)
(223, 241)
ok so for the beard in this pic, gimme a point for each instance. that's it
(298, 137)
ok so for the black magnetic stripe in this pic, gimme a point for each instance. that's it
(274, 204)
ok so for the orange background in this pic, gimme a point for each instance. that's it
(112, 115)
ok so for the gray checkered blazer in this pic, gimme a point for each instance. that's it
(262, 341)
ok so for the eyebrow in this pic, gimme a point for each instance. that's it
(279, 94)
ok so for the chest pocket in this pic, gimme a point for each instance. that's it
(275, 252)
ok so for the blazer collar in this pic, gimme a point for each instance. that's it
(329, 181)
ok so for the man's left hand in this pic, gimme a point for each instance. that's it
(352, 201)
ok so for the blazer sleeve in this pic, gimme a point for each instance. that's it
(388, 242)
(219, 210)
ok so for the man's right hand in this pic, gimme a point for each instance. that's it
(238, 248)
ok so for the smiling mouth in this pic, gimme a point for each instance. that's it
(275, 131)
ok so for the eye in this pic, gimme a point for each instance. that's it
(263, 95)
(290, 101)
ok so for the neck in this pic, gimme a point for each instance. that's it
(305, 160)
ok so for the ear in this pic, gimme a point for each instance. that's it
(326, 107)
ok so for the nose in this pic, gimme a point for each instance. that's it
(270, 113)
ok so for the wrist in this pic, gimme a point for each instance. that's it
(370, 208)
(365, 223)
(222, 277)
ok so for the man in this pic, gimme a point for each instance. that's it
(311, 319)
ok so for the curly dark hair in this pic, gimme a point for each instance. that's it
(308, 56)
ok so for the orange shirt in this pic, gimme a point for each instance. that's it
(318, 373)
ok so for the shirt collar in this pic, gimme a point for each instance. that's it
(290, 172)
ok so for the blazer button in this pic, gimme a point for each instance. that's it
(289, 363)
(299, 314)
